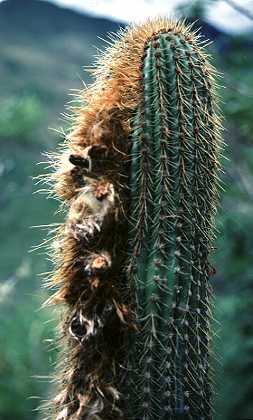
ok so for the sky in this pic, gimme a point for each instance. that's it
(220, 13)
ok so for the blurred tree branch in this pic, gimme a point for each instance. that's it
(240, 9)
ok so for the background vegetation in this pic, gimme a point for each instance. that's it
(43, 49)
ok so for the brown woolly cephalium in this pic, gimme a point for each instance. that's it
(95, 274)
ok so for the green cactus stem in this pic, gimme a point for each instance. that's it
(173, 198)
(139, 177)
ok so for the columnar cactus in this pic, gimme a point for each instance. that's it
(138, 175)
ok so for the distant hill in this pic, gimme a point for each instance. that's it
(44, 48)
(43, 17)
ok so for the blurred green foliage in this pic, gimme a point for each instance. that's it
(24, 326)
(238, 82)
(25, 359)
(19, 117)
(233, 258)
(31, 101)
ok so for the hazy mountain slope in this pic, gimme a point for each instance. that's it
(44, 48)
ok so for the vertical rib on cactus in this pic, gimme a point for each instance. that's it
(177, 144)
(139, 178)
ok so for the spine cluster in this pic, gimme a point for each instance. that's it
(139, 179)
